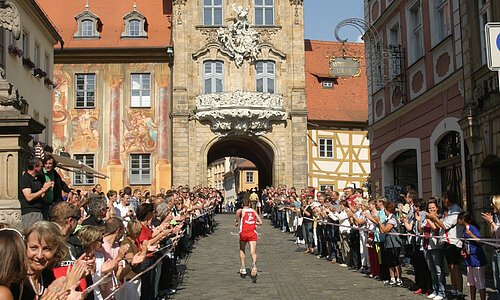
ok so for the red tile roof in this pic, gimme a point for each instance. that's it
(110, 12)
(245, 164)
(348, 100)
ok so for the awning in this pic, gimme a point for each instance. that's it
(75, 166)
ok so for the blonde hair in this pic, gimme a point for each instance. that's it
(50, 233)
(495, 201)
(90, 234)
(134, 229)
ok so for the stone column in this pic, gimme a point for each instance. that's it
(163, 166)
(15, 129)
(115, 168)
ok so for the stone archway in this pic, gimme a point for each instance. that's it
(251, 148)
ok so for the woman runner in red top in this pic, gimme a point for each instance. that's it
(248, 219)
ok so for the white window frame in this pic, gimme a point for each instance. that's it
(85, 30)
(47, 63)
(249, 178)
(484, 9)
(140, 169)
(268, 77)
(261, 9)
(25, 40)
(134, 30)
(81, 178)
(211, 78)
(326, 148)
(210, 9)
(394, 40)
(137, 86)
(87, 89)
(415, 31)
(36, 54)
(440, 17)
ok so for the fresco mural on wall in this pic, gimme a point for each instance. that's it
(60, 113)
(85, 134)
(140, 131)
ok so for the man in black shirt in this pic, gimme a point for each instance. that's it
(32, 193)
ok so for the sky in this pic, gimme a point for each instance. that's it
(322, 16)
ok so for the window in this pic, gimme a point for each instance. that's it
(88, 24)
(213, 76)
(484, 8)
(327, 84)
(415, 32)
(12, 40)
(26, 44)
(323, 187)
(36, 55)
(405, 169)
(134, 28)
(212, 12)
(377, 66)
(85, 91)
(443, 19)
(140, 169)
(140, 90)
(450, 163)
(81, 178)
(135, 25)
(326, 148)
(47, 63)
(87, 28)
(264, 12)
(265, 76)
(249, 177)
(394, 46)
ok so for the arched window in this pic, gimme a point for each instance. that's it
(87, 28)
(213, 75)
(265, 76)
(405, 169)
(450, 163)
(134, 28)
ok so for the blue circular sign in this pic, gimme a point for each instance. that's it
(498, 42)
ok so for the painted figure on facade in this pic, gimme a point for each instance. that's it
(141, 132)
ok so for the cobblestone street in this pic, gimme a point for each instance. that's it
(284, 271)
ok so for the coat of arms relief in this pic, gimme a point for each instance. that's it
(239, 39)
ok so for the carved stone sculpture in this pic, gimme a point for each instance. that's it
(240, 112)
(9, 18)
(239, 39)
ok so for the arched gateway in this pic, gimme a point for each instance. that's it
(239, 90)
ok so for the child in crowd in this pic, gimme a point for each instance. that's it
(475, 259)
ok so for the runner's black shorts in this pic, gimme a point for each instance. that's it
(452, 254)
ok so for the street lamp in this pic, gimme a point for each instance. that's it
(170, 52)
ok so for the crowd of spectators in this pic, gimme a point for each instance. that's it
(377, 237)
(119, 245)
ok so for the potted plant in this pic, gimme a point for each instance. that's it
(39, 73)
(28, 63)
(15, 51)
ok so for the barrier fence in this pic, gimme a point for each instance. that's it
(167, 249)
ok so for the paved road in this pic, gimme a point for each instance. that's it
(284, 271)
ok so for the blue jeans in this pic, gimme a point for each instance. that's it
(496, 270)
(435, 262)
(308, 235)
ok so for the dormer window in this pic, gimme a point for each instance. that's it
(89, 25)
(135, 25)
(327, 84)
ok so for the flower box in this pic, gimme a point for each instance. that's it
(28, 63)
(15, 51)
(39, 73)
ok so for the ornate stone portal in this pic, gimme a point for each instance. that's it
(240, 112)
